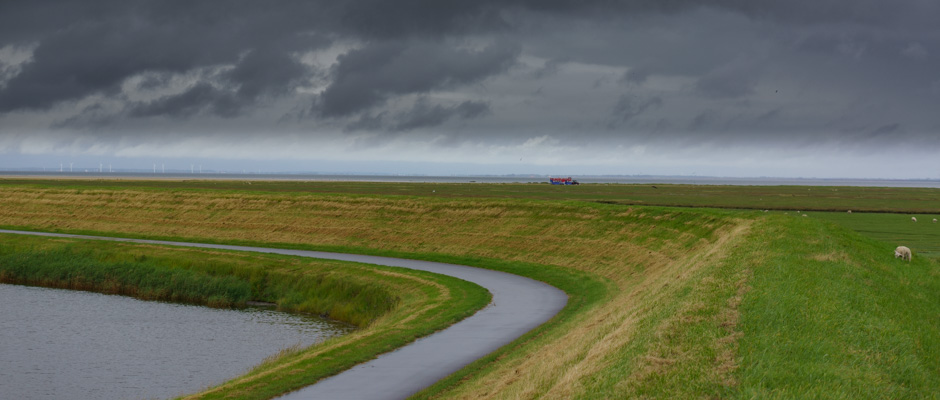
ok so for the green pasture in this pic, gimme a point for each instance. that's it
(922, 237)
(831, 314)
(817, 198)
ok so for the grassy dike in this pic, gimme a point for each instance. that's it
(814, 198)
(664, 302)
(391, 306)
(831, 314)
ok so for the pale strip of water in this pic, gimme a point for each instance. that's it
(622, 179)
(63, 344)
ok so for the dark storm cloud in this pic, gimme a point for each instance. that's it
(630, 106)
(424, 115)
(549, 68)
(728, 81)
(259, 74)
(201, 98)
(228, 58)
(886, 130)
(266, 72)
(7, 72)
(380, 19)
(154, 80)
(637, 75)
(367, 77)
(94, 116)
(879, 13)
(768, 117)
(705, 119)
(92, 50)
(367, 122)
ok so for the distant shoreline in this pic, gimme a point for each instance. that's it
(601, 179)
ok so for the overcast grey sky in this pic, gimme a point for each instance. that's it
(800, 88)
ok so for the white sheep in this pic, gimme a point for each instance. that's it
(913, 219)
(850, 211)
(805, 215)
(903, 252)
(935, 220)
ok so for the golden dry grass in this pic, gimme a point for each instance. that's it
(647, 254)
(559, 368)
(595, 239)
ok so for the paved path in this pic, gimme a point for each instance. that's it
(519, 304)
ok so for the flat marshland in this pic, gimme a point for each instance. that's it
(675, 291)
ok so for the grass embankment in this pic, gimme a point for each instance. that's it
(391, 306)
(609, 258)
(831, 314)
(799, 308)
(665, 302)
(923, 236)
(812, 198)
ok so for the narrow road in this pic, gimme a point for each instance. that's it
(519, 305)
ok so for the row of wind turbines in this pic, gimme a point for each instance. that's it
(192, 168)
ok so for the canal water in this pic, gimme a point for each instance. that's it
(63, 344)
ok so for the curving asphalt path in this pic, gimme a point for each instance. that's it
(519, 305)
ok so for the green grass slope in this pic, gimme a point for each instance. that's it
(922, 237)
(831, 313)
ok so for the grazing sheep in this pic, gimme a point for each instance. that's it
(935, 220)
(913, 219)
(804, 215)
(850, 211)
(903, 252)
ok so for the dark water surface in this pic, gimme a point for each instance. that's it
(62, 344)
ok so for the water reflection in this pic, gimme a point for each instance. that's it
(61, 344)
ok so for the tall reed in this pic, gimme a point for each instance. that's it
(189, 278)
(79, 270)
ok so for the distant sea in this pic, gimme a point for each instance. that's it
(624, 179)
